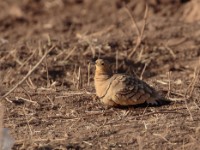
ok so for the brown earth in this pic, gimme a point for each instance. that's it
(55, 109)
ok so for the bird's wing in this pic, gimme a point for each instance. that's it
(128, 90)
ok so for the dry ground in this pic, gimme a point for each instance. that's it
(54, 107)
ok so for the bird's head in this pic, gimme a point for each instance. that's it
(102, 66)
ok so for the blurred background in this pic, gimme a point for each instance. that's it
(92, 29)
(155, 40)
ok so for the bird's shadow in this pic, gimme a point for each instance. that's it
(143, 105)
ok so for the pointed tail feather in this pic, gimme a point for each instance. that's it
(158, 101)
(163, 101)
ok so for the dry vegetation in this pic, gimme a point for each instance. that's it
(46, 72)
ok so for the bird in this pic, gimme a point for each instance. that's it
(122, 89)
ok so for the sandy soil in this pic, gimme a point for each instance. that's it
(54, 107)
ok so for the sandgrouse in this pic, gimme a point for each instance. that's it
(121, 89)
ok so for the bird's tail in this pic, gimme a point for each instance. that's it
(163, 101)
(158, 101)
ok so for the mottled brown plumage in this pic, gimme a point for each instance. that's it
(121, 89)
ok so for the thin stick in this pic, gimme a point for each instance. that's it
(170, 50)
(27, 93)
(89, 66)
(74, 76)
(190, 88)
(40, 140)
(145, 20)
(140, 54)
(13, 54)
(29, 127)
(79, 78)
(144, 112)
(159, 135)
(196, 105)
(133, 20)
(27, 59)
(169, 84)
(70, 53)
(140, 36)
(25, 99)
(101, 32)
(52, 103)
(117, 61)
(49, 40)
(47, 71)
(1, 124)
(29, 73)
(87, 39)
(30, 82)
(196, 74)
(68, 94)
(143, 70)
(186, 105)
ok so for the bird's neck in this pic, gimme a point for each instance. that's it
(101, 81)
(102, 75)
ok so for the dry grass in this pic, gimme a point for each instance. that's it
(49, 99)
(1, 124)
(139, 32)
(28, 74)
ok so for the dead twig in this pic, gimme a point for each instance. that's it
(68, 94)
(25, 99)
(29, 73)
(143, 115)
(89, 68)
(143, 70)
(30, 83)
(101, 32)
(79, 79)
(117, 61)
(29, 58)
(164, 138)
(1, 124)
(169, 84)
(190, 90)
(47, 72)
(170, 51)
(27, 121)
(139, 33)
(39, 140)
(89, 42)
(64, 52)
(52, 103)
(196, 74)
(133, 20)
(186, 105)
(145, 21)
